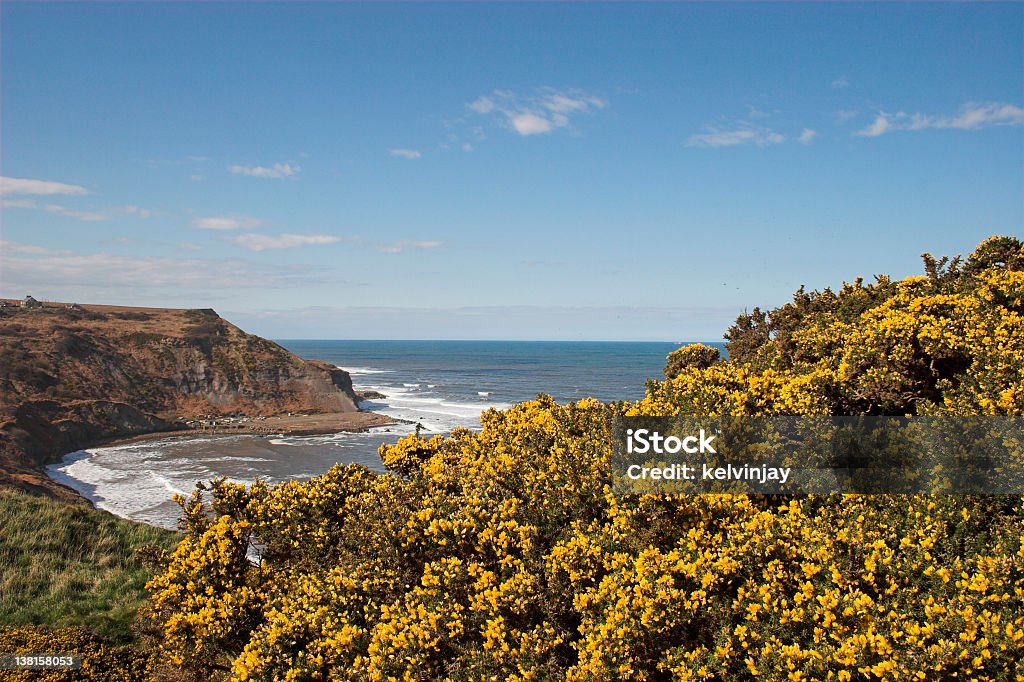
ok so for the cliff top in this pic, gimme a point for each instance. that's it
(169, 321)
(76, 374)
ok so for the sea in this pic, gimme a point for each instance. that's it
(439, 385)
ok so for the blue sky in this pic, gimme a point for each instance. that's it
(553, 171)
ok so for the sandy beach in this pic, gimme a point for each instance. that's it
(294, 425)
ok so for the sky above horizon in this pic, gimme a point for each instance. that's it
(498, 171)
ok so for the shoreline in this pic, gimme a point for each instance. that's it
(291, 425)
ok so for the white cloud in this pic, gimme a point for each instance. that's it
(68, 275)
(840, 84)
(226, 222)
(20, 248)
(528, 123)
(277, 171)
(135, 211)
(39, 187)
(18, 203)
(881, 125)
(744, 134)
(972, 116)
(410, 154)
(87, 216)
(807, 136)
(539, 112)
(405, 244)
(482, 105)
(565, 103)
(262, 242)
(845, 115)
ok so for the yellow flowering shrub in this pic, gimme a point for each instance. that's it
(503, 554)
(101, 660)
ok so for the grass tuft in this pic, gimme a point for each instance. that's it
(67, 565)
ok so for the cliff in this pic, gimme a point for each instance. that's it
(75, 375)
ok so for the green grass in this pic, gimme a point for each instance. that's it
(67, 564)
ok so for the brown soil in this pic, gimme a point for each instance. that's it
(77, 376)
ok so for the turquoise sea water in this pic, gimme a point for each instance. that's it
(437, 384)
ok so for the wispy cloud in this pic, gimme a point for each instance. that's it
(410, 154)
(10, 186)
(490, 322)
(87, 216)
(66, 274)
(807, 136)
(881, 125)
(21, 248)
(135, 211)
(18, 203)
(226, 222)
(406, 244)
(840, 84)
(743, 133)
(972, 116)
(754, 112)
(846, 115)
(263, 242)
(537, 113)
(277, 171)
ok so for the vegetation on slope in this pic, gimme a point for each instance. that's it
(72, 580)
(503, 554)
(102, 660)
(69, 564)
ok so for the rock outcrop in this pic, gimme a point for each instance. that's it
(70, 377)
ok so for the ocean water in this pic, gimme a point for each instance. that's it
(439, 385)
(444, 384)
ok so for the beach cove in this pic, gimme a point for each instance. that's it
(438, 385)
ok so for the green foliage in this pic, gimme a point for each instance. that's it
(68, 565)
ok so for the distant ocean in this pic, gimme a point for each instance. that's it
(438, 384)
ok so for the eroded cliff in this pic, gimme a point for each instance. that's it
(75, 375)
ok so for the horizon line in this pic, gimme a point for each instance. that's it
(678, 343)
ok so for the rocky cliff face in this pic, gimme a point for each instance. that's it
(73, 376)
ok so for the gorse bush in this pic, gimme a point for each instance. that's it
(101, 660)
(503, 555)
(949, 342)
